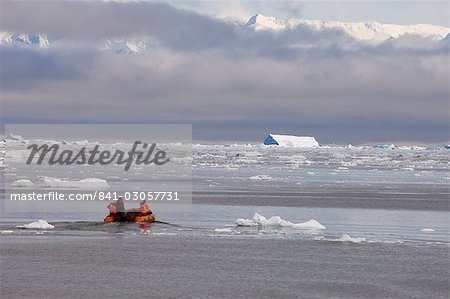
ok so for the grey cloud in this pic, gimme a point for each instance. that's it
(337, 99)
(24, 68)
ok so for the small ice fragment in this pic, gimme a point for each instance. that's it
(15, 137)
(40, 224)
(245, 222)
(91, 183)
(223, 230)
(347, 238)
(5, 231)
(82, 142)
(22, 183)
(260, 178)
(427, 230)
(311, 224)
(18, 155)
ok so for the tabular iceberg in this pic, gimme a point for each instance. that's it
(290, 140)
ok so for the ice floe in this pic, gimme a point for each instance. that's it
(427, 230)
(223, 230)
(277, 221)
(14, 137)
(22, 183)
(384, 146)
(40, 224)
(344, 238)
(18, 155)
(6, 231)
(261, 177)
(63, 183)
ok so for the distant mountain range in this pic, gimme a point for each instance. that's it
(368, 32)
(119, 46)
(21, 39)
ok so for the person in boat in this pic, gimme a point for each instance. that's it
(120, 209)
(144, 208)
(112, 210)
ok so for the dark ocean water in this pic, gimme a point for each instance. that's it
(164, 266)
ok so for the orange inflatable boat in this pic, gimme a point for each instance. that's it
(131, 217)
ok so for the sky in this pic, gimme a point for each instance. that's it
(233, 86)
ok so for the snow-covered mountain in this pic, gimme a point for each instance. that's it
(365, 31)
(118, 46)
(121, 46)
(23, 39)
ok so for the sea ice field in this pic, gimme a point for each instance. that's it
(323, 222)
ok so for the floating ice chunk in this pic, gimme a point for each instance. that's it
(349, 163)
(82, 142)
(14, 137)
(22, 183)
(245, 222)
(84, 183)
(163, 234)
(261, 177)
(19, 155)
(40, 224)
(5, 231)
(310, 224)
(345, 239)
(277, 221)
(384, 146)
(223, 230)
(427, 230)
(183, 160)
(434, 148)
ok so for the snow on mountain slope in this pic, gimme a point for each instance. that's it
(366, 31)
(127, 46)
(118, 46)
(260, 22)
(23, 39)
